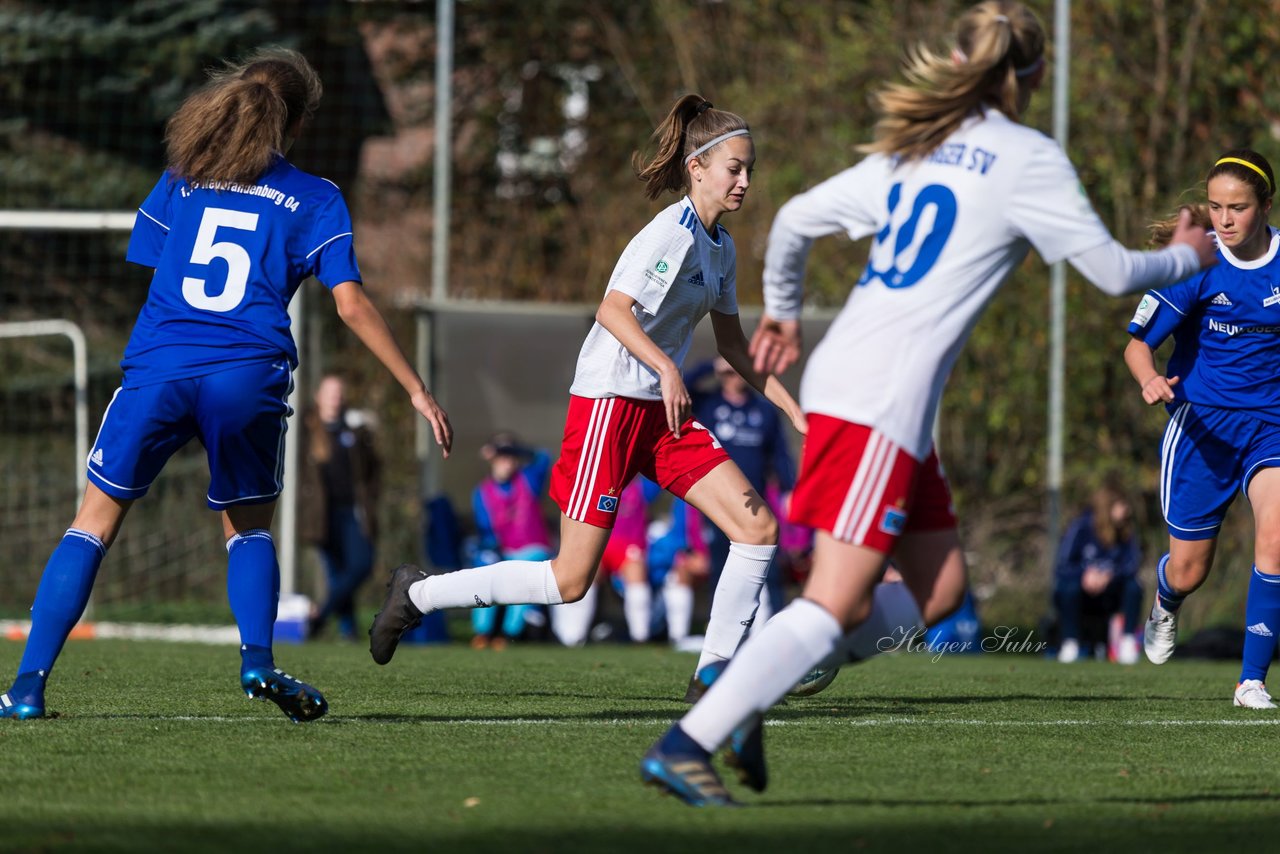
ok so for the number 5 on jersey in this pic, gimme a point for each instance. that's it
(194, 290)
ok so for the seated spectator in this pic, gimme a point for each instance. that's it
(1096, 574)
(510, 526)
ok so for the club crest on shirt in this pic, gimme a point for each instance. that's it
(607, 503)
(1274, 298)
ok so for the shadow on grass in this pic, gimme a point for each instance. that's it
(666, 827)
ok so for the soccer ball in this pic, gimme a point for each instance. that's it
(815, 681)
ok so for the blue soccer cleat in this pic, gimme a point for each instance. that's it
(298, 700)
(688, 776)
(745, 754)
(25, 699)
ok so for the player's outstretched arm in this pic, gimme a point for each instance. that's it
(1115, 270)
(731, 343)
(363, 318)
(1141, 361)
(616, 315)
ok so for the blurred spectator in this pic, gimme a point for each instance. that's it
(751, 430)
(509, 526)
(338, 499)
(1096, 574)
(678, 560)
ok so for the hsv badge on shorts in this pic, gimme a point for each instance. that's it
(607, 503)
(894, 521)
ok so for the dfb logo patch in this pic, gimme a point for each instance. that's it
(607, 503)
(894, 521)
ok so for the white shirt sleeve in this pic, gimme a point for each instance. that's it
(650, 263)
(848, 202)
(1049, 206)
(1115, 270)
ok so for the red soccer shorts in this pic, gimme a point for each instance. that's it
(609, 440)
(863, 489)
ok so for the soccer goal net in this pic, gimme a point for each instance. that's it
(68, 306)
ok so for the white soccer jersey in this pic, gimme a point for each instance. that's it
(676, 273)
(949, 229)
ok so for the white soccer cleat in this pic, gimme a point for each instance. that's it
(1127, 650)
(1161, 633)
(1252, 694)
(1069, 652)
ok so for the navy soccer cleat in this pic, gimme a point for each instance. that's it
(298, 700)
(745, 754)
(398, 614)
(688, 776)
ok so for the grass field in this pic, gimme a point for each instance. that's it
(536, 749)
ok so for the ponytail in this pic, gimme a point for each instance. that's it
(693, 128)
(998, 45)
(232, 129)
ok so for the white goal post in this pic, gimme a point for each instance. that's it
(33, 220)
(80, 367)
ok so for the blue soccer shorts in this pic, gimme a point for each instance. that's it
(238, 414)
(1207, 456)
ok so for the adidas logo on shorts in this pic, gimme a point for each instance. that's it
(1221, 299)
(96, 459)
(1259, 629)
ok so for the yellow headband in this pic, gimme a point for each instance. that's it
(1250, 165)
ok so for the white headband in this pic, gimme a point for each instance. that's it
(721, 138)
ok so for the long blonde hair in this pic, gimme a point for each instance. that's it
(998, 45)
(691, 124)
(231, 129)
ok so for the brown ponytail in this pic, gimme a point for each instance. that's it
(232, 129)
(691, 124)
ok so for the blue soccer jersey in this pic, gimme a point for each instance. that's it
(227, 261)
(1225, 323)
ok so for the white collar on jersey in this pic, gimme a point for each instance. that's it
(1261, 261)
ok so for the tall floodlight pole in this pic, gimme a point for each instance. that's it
(1058, 284)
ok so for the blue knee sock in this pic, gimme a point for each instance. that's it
(253, 588)
(1170, 600)
(1262, 621)
(60, 602)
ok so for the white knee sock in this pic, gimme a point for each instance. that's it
(733, 604)
(767, 666)
(894, 621)
(508, 582)
(763, 613)
(679, 601)
(637, 605)
(571, 621)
